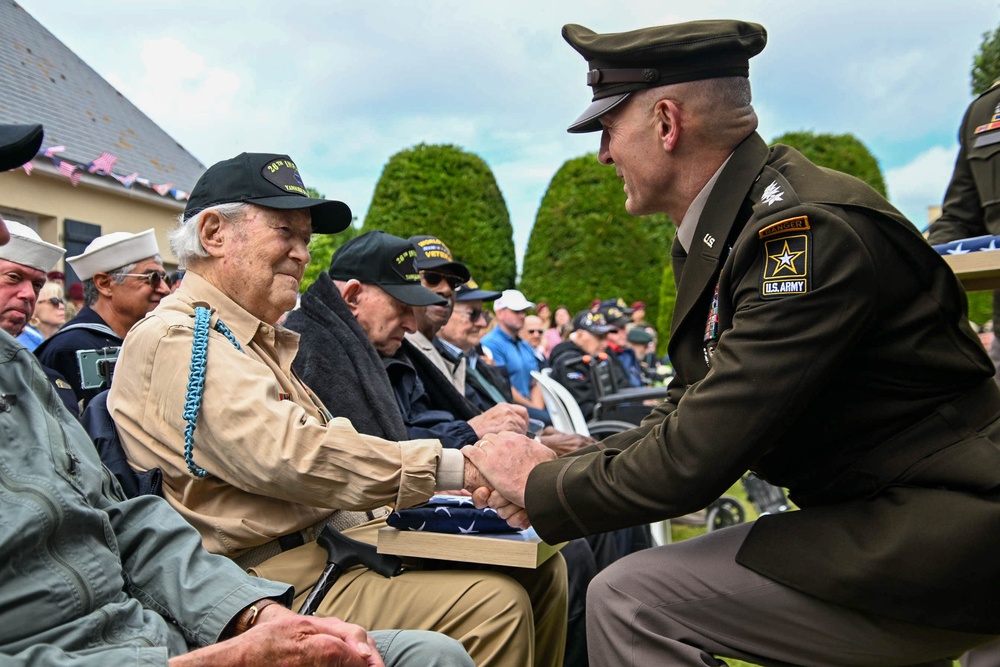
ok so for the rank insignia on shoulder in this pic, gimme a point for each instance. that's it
(787, 250)
(62, 384)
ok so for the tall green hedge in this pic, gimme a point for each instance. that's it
(450, 193)
(322, 247)
(843, 152)
(585, 245)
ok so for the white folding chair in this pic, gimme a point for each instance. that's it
(563, 409)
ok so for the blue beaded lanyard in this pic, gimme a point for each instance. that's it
(196, 380)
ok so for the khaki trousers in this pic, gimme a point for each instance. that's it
(504, 617)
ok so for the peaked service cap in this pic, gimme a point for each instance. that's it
(265, 179)
(18, 144)
(377, 258)
(621, 63)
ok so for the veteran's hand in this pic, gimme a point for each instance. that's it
(505, 460)
(501, 417)
(282, 637)
(515, 515)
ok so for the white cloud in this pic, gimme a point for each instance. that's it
(919, 184)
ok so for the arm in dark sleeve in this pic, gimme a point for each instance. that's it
(422, 422)
(681, 458)
(962, 209)
(575, 376)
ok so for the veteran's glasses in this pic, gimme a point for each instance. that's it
(433, 278)
(154, 278)
(472, 314)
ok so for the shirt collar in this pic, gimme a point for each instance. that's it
(243, 325)
(688, 226)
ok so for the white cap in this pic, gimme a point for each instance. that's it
(113, 251)
(27, 248)
(511, 299)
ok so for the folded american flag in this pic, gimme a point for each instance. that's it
(450, 514)
(974, 244)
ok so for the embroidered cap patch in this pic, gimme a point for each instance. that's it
(787, 247)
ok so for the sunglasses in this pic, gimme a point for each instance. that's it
(433, 278)
(534, 331)
(55, 302)
(154, 278)
(473, 315)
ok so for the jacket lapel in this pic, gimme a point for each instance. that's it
(721, 214)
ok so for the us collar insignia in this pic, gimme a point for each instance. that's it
(787, 258)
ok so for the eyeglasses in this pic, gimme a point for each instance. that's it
(473, 315)
(534, 331)
(434, 278)
(55, 302)
(154, 278)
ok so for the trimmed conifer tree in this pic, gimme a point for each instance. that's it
(447, 192)
(585, 245)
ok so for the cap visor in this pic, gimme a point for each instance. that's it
(328, 216)
(18, 144)
(589, 120)
(414, 295)
(599, 330)
(477, 295)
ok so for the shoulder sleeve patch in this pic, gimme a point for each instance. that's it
(800, 223)
(787, 255)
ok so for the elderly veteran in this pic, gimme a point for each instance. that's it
(252, 457)
(133, 584)
(818, 341)
(123, 279)
(24, 261)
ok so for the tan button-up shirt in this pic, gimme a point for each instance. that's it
(276, 462)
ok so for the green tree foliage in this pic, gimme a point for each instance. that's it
(585, 245)
(843, 152)
(986, 63)
(322, 247)
(980, 307)
(446, 192)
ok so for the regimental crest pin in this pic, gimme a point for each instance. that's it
(772, 193)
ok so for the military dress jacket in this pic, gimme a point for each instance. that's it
(819, 341)
(971, 204)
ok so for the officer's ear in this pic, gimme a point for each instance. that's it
(667, 118)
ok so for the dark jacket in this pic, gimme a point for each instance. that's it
(59, 351)
(820, 342)
(484, 383)
(433, 409)
(338, 362)
(571, 368)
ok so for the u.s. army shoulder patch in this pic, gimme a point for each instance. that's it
(787, 249)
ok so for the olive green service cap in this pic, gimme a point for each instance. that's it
(621, 63)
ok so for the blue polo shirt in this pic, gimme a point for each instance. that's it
(516, 355)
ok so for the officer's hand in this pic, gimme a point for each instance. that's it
(505, 460)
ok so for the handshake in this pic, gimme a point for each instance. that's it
(496, 472)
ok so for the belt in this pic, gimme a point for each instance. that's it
(340, 520)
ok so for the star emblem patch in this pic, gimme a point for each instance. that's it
(786, 258)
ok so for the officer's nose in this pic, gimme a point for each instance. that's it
(604, 155)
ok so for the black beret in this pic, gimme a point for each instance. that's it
(621, 63)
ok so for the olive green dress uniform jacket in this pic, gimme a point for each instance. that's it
(837, 361)
(971, 205)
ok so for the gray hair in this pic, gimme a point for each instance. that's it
(118, 276)
(184, 240)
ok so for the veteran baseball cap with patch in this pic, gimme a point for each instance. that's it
(615, 312)
(18, 144)
(434, 255)
(269, 180)
(588, 320)
(621, 63)
(377, 258)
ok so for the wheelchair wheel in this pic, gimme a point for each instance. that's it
(726, 511)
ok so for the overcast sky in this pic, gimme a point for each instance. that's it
(342, 86)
